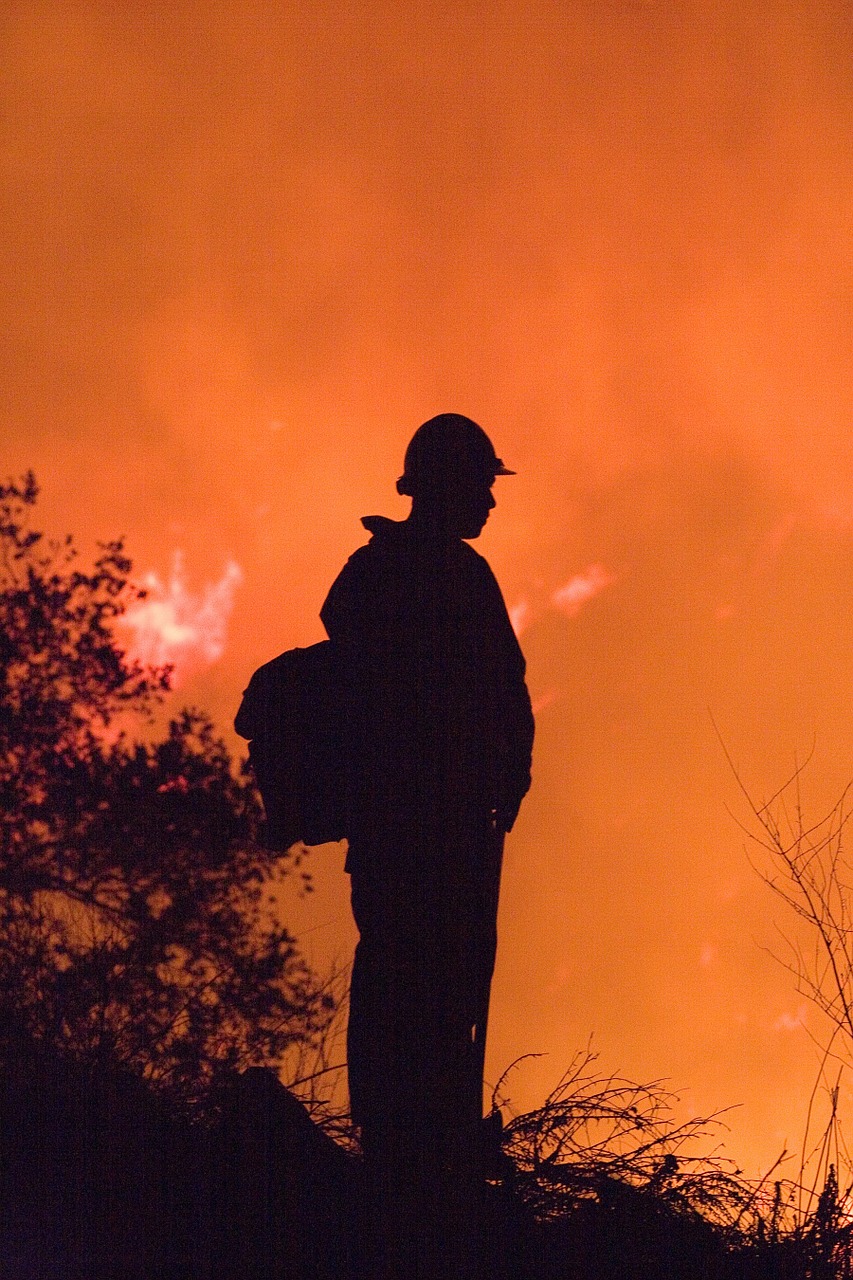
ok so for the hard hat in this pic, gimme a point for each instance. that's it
(447, 448)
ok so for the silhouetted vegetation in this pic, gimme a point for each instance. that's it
(100, 1178)
(144, 976)
(137, 921)
(620, 1188)
(804, 861)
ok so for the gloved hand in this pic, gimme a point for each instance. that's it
(505, 815)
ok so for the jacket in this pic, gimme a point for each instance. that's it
(440, 726)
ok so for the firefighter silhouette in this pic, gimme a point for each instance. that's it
(439, 732)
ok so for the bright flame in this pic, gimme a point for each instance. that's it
(519, 616)
(792, 1021)
(545, 699)
(171, 625)
(571, 598)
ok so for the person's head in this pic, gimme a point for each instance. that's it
(448, 472)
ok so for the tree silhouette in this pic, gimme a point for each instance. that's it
(137, 913)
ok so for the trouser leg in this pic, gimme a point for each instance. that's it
(420, 986)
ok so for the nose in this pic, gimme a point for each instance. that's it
(492, 503)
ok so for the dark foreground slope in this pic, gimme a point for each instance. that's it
(99, 1180)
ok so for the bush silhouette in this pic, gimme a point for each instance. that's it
(136, 921)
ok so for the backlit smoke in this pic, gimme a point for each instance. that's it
(173, 625)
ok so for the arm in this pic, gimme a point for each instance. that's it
(515, 779)
(514, 727)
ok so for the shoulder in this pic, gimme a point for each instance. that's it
(386, 542)
(361, 559)
(356, 595)
(478, 568)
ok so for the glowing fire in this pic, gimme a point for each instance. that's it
(571, 598)
(545, 699)
(568, 599)
(173, 625)
(793, 1021)
(519, 615)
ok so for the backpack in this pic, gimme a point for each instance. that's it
(291, 714)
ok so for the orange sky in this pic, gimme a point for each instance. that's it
(249, 247)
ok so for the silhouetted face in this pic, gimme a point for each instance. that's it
(472, 509)
(461, 509)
